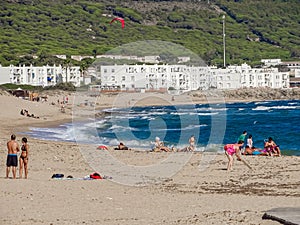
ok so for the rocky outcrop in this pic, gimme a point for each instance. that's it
(250, 93)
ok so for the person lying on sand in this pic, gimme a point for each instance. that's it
(121, 146)
(253, 151)
(159, 146)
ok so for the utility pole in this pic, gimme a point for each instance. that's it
(223, 17)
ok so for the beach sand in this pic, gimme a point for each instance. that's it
(193, 195)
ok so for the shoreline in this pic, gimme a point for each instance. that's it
(100, 114)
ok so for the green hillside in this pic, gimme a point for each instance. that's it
(255, 29)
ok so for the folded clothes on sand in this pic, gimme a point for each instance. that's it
(93, 176)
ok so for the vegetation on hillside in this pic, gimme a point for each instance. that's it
(255, 29)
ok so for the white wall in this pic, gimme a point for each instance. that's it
(4, 75)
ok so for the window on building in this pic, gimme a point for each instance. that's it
(123, 78)
(112, 70)
(113, 78)
(132, 78)
(105, 71)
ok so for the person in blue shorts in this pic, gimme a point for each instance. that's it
(12, 158)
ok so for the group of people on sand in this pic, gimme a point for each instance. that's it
(159, 146)
(25, 112)
(13, 149)
(270, 149)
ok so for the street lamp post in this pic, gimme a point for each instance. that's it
(223, 17)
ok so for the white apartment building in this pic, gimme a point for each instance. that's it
(263, 77)
(44, 75)
(228, 78)
(154, 77)
(180, 78)
(186, 78)
(271, 62)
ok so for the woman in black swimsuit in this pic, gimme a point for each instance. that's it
(24, 157)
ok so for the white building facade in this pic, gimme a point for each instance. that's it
(187, 78)
(4, 75)
(154, 77)
(44, 75)
(263, 77)
(180, 78)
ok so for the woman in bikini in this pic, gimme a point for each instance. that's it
(24, 158)
(230, 150)
(272, 148)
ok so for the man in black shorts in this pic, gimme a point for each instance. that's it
(12, 158)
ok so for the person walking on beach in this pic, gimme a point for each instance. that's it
(230, 150)
(12, 158)
(24, 158)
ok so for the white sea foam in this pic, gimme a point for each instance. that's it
(267, 108)
(261, 103)
(208, 114)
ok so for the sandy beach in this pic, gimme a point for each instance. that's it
(201, 191)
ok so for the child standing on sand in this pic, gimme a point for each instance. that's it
(230, 150)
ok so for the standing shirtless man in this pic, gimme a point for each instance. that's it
(12, 158)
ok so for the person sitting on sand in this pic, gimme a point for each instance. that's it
(272, 148)
(230, 150)
(159, 146)
(121, 146)
(192, 143)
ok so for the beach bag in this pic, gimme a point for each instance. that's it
(57, 175)
(95, 176)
